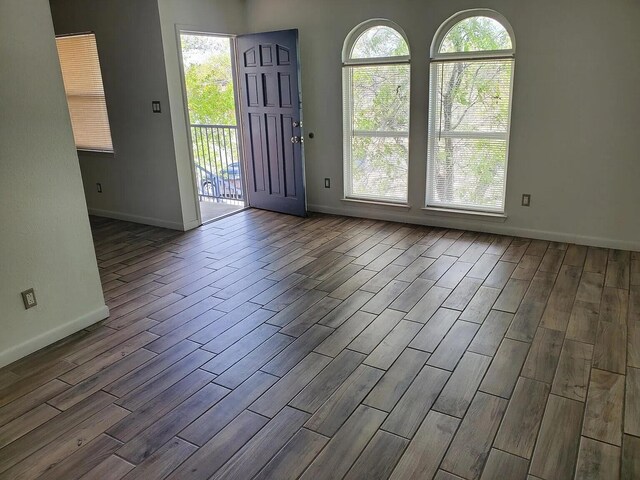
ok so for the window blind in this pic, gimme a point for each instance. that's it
(85, 93)
(377, 131)
(469, 133)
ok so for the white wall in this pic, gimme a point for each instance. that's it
(212, 16)
(45, 239)
(140, 181)
(574, 141)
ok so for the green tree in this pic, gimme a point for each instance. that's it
(210, 96)
(473, 95)
(380, 116)
(210, 91)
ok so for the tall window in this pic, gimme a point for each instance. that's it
(376, 82)
(85, 93)
(472, 60)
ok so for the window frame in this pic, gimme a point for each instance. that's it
(437, 58)
(94, 151)
(347, 102)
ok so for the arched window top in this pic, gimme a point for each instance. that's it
(376, 41)
(474, 33)
(379, 41)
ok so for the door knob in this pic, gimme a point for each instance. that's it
(296, 139)
(297, 124)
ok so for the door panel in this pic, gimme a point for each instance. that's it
(271, 120)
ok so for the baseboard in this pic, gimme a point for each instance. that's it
(191, 225)
(47, 338)
(478, 226)
(156, 222)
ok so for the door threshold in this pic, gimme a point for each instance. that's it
(225, 216)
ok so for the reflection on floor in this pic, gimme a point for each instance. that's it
(211, 210)
(267, 346)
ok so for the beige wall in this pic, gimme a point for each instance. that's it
(45, 240)
(140, 181)
(574, 141)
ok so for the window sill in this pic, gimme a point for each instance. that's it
(377, 202)
(96, 153)
(448, 212)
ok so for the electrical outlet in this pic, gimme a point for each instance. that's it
(327, 183)
(29, 299)
(526, 200)
(99, 187)
(155, 106)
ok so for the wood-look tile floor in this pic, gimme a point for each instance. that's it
(268, 346)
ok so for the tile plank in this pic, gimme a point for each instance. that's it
(407, 415)
(574, 368)
(597, 460)
(471, 444)
(519, 429)
(326, 382)
(603, 413)
(462, 385)
(396, 380)
(424, 453)
(257, 452)
(346, 445)
(556, 450)
(630, 458)
(502, 375)
(394, 343)
(379, 457)
(504, 465)
(453, 346)
(294, 457)
(632, 402)
(328, 418)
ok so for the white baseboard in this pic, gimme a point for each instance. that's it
(156, 222)
(47, 338)
(478, 226)
(191, 225)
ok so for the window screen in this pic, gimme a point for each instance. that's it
(85, 93)
(469, 117)
(376, 116)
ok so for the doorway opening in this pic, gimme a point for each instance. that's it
(209, 84)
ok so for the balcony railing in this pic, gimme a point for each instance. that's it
(218, 168)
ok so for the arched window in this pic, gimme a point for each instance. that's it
(472, 63)
(376, 81)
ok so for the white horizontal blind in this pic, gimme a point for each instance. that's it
(85, 93)
(469, 133)
(377, 131)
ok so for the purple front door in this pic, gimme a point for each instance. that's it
(271, 121)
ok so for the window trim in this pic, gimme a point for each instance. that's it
(348, 64)
(453, 20)
(437, 58)
(88, 150)
(356, 33)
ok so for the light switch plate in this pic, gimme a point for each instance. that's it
(526, 200)
(29, 299)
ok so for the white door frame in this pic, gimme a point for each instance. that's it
(184, 29)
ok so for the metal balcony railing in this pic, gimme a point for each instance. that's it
(218, 168)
